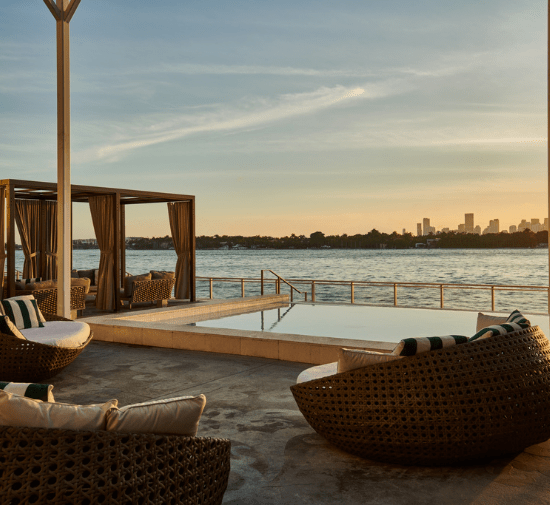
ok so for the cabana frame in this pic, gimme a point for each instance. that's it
(13, 189)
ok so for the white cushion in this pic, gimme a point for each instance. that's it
(59, 333)
(37, 391)
(318, 372)
(484, 320)
(175, 416)
(350, 359)
(17, 410)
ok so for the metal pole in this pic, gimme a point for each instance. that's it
(262, 283)
(441, 293)
(242, 288)
(493, 298)
(352, 292)
(395, 295)
(313, 291)
(211, 289)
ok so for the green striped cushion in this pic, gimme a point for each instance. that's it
(8, 328)
(516, 321)
(417, 345)
(23, 312)
(41, 392)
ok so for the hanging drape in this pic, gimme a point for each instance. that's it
(103, 218)
(51, 241)
(2, 238)
(180, 215)
(27, 217)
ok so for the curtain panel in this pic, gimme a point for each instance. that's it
(179, 214)
(51, 241)
(2, 238)
(27, 217)
(103, 218)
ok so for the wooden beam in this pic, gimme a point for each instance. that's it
(54, 9)
(69, 12)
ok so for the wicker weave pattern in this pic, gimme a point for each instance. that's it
(27, 361)
(47, 298)
(479, 400)
(152, 290)
(89, 467)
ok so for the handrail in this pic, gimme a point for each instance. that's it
(492, 288)
(278, 285)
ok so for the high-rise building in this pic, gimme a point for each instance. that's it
(513, 228)
(469, 223)
(494, 226)
(524, 225)
(477, 230)
(535, 225)
(461, 228)
(418, 229)
(425, 226)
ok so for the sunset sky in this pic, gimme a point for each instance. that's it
(290, 116)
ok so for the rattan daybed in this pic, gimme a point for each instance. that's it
(90, 467)
(471, 402)
(28, 361)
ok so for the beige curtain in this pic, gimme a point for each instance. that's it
(103, 218)
(51, 241)
(2, 238)
(27, 217)
(179, 214)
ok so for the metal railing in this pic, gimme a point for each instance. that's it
(397, 287)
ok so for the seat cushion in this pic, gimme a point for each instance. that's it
(351, 359)
(69, 334)
(129, 282)
(318, 372)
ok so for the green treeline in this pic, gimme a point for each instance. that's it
(372, 240)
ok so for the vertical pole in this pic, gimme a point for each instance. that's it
(441, 294)
(10, 238)
(262, 283)
(192, 231)
(352, 292)
(211, 289)
(312, 291)
(395, 295)
(242, 288)
(63, 167)
(548, 147)
(122, 244)
(493, 298)
(116, 251)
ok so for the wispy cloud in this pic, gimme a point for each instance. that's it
(250, 114)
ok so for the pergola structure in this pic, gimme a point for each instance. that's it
(14, 193)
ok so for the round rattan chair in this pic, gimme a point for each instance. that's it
(28, 361)
(467, 403)
(50, 466)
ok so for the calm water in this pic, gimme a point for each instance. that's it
(499, 266)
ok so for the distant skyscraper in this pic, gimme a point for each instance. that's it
(419, 229)
(524, 225)
(545, 223)
(426, 226)
(477, 230)
(469, 223)
(494, 226)
(461, 228)
(513, 228)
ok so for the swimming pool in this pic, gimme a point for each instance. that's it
(356, 322)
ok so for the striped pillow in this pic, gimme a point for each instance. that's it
(41, 392)
(8, 328)
(515, 322)
(417, 345)
(23, 312)
(25, 283)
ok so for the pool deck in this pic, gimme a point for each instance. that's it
(168, 327)
(276, 457)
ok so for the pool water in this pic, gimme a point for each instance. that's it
(383, 324)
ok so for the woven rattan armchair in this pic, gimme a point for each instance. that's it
(47, 298)
(472, 402)
(52, 466)
(153, 290)
(28, 361)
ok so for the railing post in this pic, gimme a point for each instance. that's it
(441, 293)
(262, 282)
(211, 289)
(493, 298)
(313, 293)
(305, 296)
(394, 294)
(242, 288)
(291, 294)
(278, 286)
(352, 292)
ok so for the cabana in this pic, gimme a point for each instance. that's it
(33, 206)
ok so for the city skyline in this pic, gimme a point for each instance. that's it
(288, 117)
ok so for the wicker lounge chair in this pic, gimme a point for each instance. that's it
(475, 401)
(28, 361)
(47, 298)
(154, 290)
(65, 466)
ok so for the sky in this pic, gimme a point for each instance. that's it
(290, 116)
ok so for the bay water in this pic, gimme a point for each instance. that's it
(515, 267)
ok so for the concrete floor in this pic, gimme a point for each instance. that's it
(276, 457)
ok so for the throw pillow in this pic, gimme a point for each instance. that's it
(23, 311)
(484, 320)
(350, 359)
(129, 282)
(162, 274)
(17, 410)
(25, 283)
(82, 281)
(175, 416)
(8, 328)
(41, 392)
(515, 322)
(417, 345)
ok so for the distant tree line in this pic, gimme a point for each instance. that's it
(372, 240)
